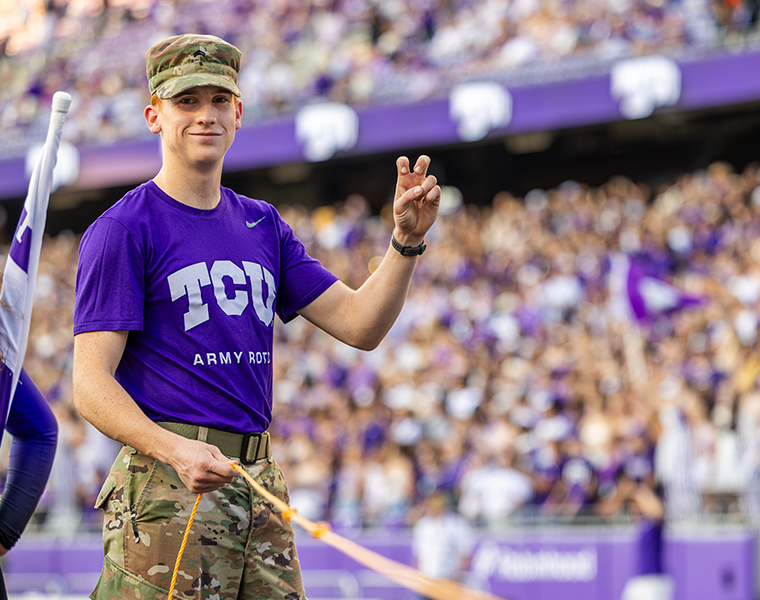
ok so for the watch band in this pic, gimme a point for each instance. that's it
(408, 250)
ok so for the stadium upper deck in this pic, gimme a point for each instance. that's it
(358, 52)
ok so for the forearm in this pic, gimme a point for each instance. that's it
(376, 305)
(363, 317)
(29, 467)
(35, 433)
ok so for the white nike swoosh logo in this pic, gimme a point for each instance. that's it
(252, 225)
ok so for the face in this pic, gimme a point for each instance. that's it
(197, 126)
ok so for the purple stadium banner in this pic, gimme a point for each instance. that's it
(522, 565)
(633, 88)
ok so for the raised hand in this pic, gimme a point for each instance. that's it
(415, 206)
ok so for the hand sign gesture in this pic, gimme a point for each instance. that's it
(415, 206)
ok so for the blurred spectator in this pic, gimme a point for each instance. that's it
(442, 541)
(642, 501)
(675, 465)
(492, 490)
(749, 432)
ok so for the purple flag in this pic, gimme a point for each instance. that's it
(20, 274)
(650, 296)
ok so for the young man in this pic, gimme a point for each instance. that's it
(177, 289)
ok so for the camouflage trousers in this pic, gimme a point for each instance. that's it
(239, 546)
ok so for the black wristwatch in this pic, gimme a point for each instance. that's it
(408, 250)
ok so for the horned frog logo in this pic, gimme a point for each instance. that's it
(479, 107)
(324, 129)
(644, 84)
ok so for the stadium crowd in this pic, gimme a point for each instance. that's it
(301, 51)
(515, 380)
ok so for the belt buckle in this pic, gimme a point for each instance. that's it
(244, 448)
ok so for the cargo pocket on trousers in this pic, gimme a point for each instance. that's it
(115, 582)
(105, 493)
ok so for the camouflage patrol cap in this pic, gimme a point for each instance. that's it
(184, 61)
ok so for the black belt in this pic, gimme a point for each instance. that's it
(247, 447)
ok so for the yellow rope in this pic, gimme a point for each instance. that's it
(403, 574)
(182, 546)
(436, 589)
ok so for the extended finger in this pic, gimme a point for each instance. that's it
(422, 164)
(402, 164)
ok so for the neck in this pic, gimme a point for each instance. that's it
(199, 189)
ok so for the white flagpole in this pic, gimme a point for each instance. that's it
(20, 274)
(633, 346)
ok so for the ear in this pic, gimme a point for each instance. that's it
(152, 115)
(238, 112)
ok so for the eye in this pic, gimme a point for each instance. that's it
(222, 99)
(186, 100)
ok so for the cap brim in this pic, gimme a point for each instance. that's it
(180, 84)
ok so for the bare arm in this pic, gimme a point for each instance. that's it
(102, 401)
(649, 502)
(362, 318)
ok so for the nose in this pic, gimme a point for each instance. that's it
(206, 114)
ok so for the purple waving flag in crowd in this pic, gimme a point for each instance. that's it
(20, 274)
(650, 296)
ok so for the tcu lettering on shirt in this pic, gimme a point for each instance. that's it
(191, 279)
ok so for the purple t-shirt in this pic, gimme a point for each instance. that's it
(197, 290)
